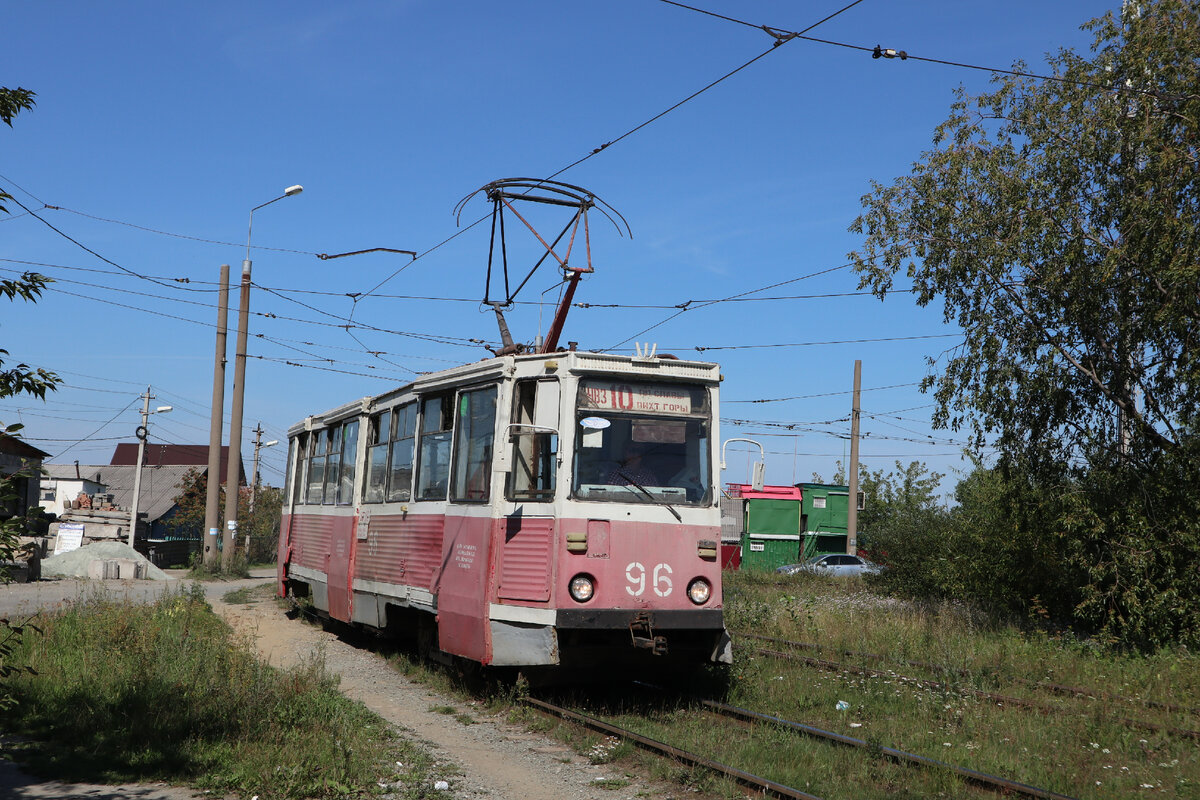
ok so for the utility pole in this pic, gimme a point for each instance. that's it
(212, 508)
(852, 511)
(258, 432)
(142, 434)
(254, 480)
(235, 424)
(239, 391)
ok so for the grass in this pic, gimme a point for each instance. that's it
(133, 693)
(1082, 748)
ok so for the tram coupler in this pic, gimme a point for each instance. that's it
(641, 631)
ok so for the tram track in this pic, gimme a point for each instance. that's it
(752, 718)
(999, 699)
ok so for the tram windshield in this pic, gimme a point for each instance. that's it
(642, 442)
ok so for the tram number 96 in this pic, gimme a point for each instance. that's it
(660, 579)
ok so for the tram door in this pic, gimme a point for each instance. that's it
(525, 569)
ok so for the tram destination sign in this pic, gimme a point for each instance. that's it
(645, 398)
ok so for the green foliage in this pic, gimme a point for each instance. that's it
(21, 379)
(1057, 223)
(1056, 220)
(261, 522)
(164, 692)
(13, 102)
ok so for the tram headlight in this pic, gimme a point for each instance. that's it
(582, 588)
(699, 591)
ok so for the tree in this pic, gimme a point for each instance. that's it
(21, 379)
(1056, 220)
(261, 524)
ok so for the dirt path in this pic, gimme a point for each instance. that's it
(497, 760)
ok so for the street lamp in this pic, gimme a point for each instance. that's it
(143, 433)
(239, 390)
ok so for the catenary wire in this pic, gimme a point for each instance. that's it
(891, 53)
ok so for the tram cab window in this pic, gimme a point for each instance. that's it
(475, 434)
(300, 471)
(400, 463)
(433, 468)
(534, 441)
(287, 469)
(642, 442)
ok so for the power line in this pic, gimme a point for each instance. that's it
(823, 394)
(842, 341)
(102, 427)
(87, 249)
(688, 306)
(890, 53)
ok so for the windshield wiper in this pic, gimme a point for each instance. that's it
(648, 493)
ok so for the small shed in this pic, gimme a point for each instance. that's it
(771, 532)
(824, 517)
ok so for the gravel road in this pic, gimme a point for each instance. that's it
(495, 760)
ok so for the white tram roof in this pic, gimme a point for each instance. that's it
(525, 366)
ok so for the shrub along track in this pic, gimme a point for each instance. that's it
(1005, 700)
(1002, 785)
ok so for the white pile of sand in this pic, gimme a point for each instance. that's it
(75, 564)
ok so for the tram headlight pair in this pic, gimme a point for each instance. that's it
(699, 591)
(582, 588)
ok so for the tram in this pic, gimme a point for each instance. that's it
(553, 509)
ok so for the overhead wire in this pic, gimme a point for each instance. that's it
(93, 433)
(597, 150)
(823, 394)
(87, 249)
(891, 53)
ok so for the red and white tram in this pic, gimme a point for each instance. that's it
(527, 510)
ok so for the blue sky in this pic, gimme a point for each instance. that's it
(158, 126)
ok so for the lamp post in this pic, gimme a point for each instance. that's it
(239, 391)
(143, 432)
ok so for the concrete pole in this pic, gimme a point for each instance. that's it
(137, 472)
(258, 432)
(235, 422)
(852, 515)
(212, 508)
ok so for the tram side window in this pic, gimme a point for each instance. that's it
(433, 469)
(377, 451)
(404, 429)
(333, 457)
(535, 452)
(316, 467)
(349, 437)
(474, 437)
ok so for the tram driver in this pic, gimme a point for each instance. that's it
(632, 468)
